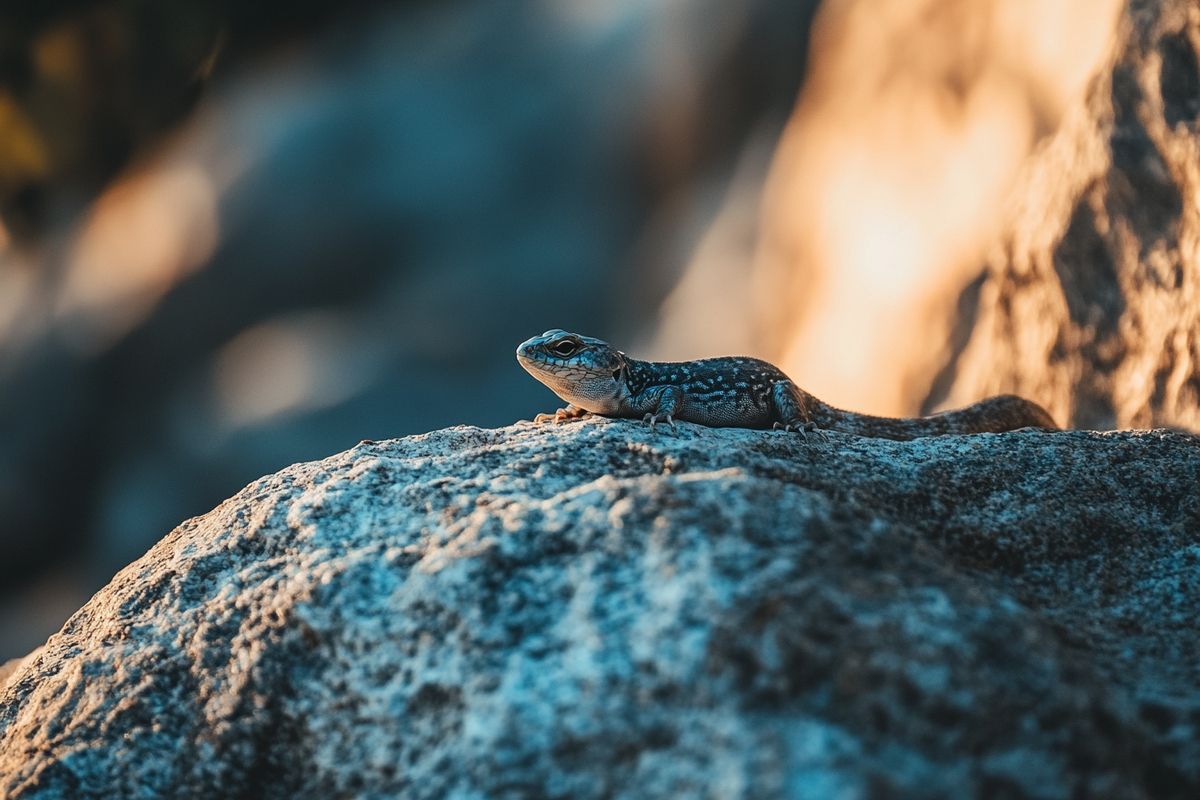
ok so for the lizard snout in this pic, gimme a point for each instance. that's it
(524, 349)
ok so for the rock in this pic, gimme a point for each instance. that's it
(460, 222)
(1089, 299)
(9, 667)
(602, 610)
(886, 191)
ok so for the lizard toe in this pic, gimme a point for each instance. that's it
(803, 428)
(570, 414)
(653, 419)
(819, 434)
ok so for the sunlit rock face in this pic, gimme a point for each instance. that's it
(963, 207)
(981, 196)
(885, 192)
(599, 610)
(1091, 298)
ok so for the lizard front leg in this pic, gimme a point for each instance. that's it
(663, 402)
(569, 414)
(790, 405)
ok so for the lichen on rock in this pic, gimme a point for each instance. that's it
(602, 610)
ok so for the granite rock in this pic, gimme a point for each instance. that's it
(602, 610)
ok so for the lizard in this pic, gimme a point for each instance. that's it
(593, 377)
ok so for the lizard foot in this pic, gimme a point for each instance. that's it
(653, 418)
(569, 414)
(802, 428)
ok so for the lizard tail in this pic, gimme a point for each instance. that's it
(1004, 412)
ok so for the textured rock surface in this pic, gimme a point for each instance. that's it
(1091, 302)
(601, 610)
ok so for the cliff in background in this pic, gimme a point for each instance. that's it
(975, 197)
(1091, 298)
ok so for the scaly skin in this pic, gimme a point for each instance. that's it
(593, 377)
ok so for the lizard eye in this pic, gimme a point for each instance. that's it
(564, 348)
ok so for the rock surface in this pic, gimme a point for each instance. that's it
(599, 610)
(1091, 298)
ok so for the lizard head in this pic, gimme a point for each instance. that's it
(587, 372)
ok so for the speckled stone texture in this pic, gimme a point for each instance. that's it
(599, 610)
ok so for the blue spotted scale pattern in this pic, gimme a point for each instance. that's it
(718, 392)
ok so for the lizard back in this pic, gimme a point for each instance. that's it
(732, 391)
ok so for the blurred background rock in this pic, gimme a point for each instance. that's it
(236, 236)
(240, 235)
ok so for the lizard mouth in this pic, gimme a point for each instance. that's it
(532, 360)
(530, 363)
(546, 372)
